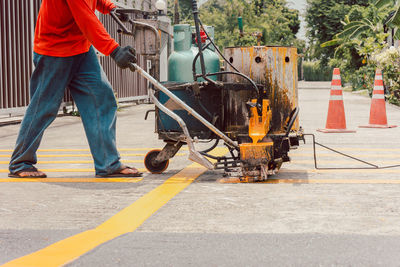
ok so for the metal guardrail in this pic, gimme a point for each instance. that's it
(17, 24)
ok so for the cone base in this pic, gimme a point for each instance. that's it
(378, 126)
(335, 131)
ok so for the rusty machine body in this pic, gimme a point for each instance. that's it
(277, 130)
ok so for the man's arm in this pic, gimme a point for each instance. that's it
(105, 6)
(91, 26)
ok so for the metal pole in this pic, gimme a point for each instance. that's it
(198, 37)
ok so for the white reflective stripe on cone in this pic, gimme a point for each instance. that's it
(378, 96)
(378, 87)
(336, 97)
(336, 87)
(335, 77)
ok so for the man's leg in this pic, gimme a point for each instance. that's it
(96, 103)
(47, 86)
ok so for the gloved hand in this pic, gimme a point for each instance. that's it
(123, 56)
(122, 16)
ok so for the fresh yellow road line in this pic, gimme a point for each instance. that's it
(127, 220)
(71, 180)
(75, 161)
(363, 156)
(332, 181)
(80, 149)
(353, 149)
(67, 170)
(347, 162)
(86, 149)
(86, 155)
(394, 170)
(318, 181)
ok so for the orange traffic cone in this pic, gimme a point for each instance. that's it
(336, 121)
(377, 115)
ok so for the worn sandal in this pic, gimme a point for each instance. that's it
(31, 169)
(118, 174)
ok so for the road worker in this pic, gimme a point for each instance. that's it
(65, 34)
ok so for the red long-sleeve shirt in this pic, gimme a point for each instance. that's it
(69, 27)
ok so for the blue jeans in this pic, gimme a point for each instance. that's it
(95, 100)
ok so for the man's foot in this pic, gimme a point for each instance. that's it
(124, 171)
(28, 173)
(129, 170)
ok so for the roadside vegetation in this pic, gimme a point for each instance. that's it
(269, 22)
(357, 36)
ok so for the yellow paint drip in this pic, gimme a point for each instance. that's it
(259, 125)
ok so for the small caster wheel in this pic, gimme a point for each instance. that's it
(149, 164)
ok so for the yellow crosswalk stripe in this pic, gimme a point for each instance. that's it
(87, 155)
(334, 155)
(75, 161)
(317, 181)
(71, 180)
(127, 220)
(86, 149)
(67, 170)
(302, 148)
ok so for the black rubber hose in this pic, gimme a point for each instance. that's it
(216, 48)
(197, 26)
(293, 116)
(194, 63)
(212, 147)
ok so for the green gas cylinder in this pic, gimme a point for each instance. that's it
(181, 60)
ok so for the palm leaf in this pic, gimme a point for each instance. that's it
(349, 30)
(397, 35)
(396, 17)
(382, 3)
(358, 31)
(352, 24)
(331, 42)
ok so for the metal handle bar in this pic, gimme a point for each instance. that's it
(119, 22)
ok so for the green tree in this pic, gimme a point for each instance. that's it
(324, 20)
(277, 23)
(392, 10)
(184, 9)
(355, 44)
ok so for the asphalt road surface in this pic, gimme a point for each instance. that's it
(186, 217)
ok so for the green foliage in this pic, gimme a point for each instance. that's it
(277, 23)
(324, 17)
(354, 45)
(185, 10)
(314, 71)
(392, 8)
(388, 60)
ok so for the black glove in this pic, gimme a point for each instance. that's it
(123, 56)
(122, 16)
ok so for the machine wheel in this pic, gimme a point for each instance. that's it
(149, 164)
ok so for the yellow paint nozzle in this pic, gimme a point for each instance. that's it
(259, 125)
